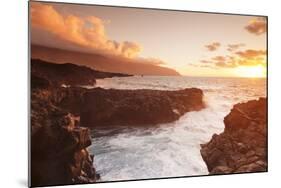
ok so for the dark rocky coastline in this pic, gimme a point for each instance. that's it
(112, 107)
(61, 116)
(242, 147)
(59, 140)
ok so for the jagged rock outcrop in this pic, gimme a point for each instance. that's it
(67, 73)
(58, 144)
(242, 147)
(142, 107)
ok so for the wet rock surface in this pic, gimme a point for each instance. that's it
(242, 147)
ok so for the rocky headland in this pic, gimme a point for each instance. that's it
(242, 147)
(68, 73)
(143, 107)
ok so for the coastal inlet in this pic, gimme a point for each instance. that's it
(167, 149)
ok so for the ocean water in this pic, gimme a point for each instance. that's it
(172, 149)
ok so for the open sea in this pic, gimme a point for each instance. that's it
(173, 149)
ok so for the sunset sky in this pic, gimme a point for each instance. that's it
(194, 44)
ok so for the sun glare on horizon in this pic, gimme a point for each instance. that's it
(258, 71)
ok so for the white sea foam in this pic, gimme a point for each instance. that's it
(173, 149)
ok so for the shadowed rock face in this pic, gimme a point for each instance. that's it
(242, 147)
(58, 145)
(143, 107)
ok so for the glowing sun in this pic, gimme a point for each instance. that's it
(251, 71)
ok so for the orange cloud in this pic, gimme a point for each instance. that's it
(252, 57)
(249, 54)
(248, 57)
(219, 58)
(225, 61)
(234, 47)
(257, 26)
(226, 64)
(85, 34)
(213, 46)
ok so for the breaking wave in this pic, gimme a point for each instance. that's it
(173, 149)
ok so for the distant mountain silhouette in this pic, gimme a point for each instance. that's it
(100, 62)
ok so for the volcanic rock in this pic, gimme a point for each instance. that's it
(59, 153)
(143, 107)
(242, 147)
